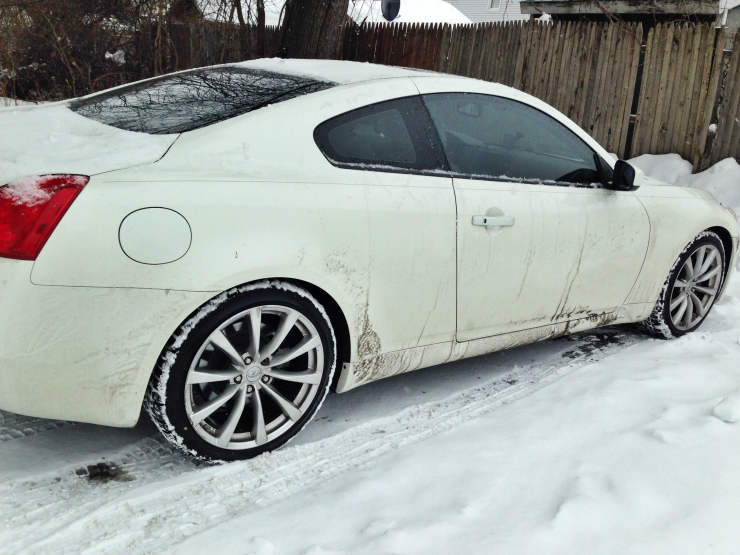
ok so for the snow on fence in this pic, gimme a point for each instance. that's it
(634, 94)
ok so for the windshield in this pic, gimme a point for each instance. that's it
(194, 99)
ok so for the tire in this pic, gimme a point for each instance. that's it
(211, 397)
(685, 301)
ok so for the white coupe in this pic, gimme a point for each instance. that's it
(221, 246)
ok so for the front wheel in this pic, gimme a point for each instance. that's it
(244, 374)
(690, 290)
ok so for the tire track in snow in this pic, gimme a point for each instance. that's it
(166, 502)
(15, 426)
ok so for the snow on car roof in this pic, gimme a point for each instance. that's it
(340, 72)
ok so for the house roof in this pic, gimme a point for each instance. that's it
(588, 7)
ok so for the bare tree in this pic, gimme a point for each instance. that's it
(312, 28)
(243, 31)
(260, 49)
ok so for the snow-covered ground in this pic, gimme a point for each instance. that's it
(603, 442)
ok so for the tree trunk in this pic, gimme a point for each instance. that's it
(243, 39)
(260, 53)
(313, 28)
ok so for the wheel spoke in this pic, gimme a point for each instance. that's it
(255, 328)
(705, 290)
(697, 303)
(677, 301)
(708, 275)
(680, 284)
(209, 376)
(707, 262)
(689, 316)
(689, 268)
(311, 377)
(288, 408)
(306, 344)
(218, 339)
(681, 311)
(227, 430)
(699, 260)
(207, 409)
(259, 432)
(286, 324)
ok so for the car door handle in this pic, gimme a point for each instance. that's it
(493, 221)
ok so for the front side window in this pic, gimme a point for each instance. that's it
(392, 136)
(193, 99)
(496, 138)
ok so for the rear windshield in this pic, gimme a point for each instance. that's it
(194, 99)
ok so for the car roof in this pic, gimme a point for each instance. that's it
(341, 72)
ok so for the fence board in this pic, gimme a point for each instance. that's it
(702, 160)
(727, 111)
(681, 140)
(734, 142)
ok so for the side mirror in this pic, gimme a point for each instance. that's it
(626, 177)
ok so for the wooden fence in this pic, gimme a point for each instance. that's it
(726, 141)
(633, 94)
(209, 43)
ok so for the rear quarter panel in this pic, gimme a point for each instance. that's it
(263, 202)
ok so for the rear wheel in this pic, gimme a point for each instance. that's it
(691, 288)
(245, 376)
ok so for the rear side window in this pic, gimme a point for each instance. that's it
(392, 136)
(194, 99)
(492, 137)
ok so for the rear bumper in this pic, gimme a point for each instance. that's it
(79, 353)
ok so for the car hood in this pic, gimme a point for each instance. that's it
(51, 138)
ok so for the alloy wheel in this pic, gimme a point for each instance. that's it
(254, 377)
(696, 287)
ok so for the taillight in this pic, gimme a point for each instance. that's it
(30, 210)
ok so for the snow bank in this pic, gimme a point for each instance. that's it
(722, 179)
(38, 140)
(6, 102)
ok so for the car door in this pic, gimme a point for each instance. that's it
(538, 241)
(390, 161)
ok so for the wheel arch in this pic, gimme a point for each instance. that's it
(338, 322)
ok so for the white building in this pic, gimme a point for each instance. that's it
(480, 11)
(412, 11)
